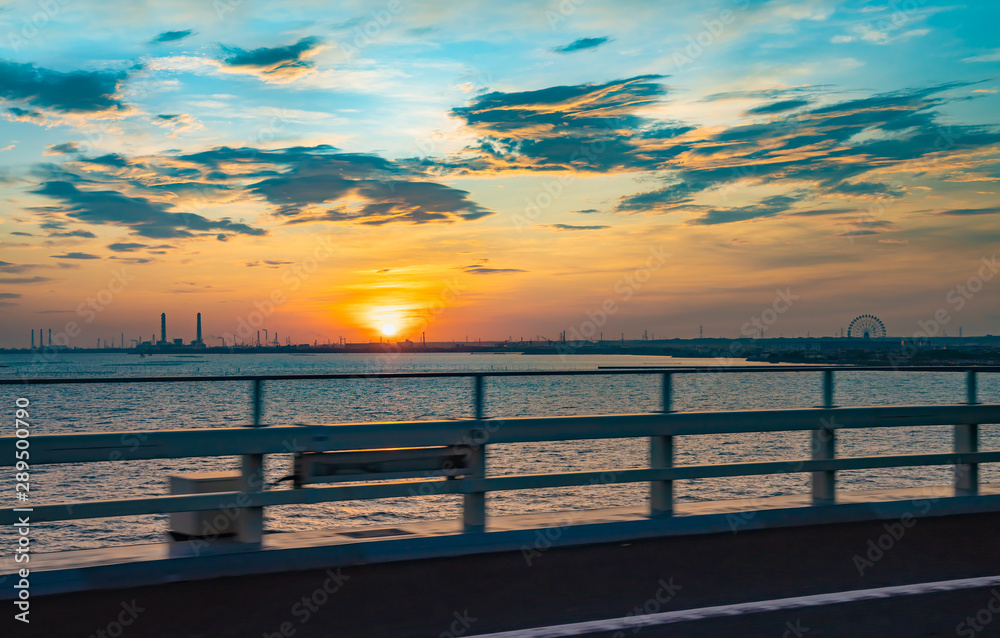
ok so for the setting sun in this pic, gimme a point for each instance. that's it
(388, 329)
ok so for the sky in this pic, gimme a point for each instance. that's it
(367, 170)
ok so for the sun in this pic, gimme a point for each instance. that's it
(388, 329)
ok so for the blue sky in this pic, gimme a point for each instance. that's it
(534, 152)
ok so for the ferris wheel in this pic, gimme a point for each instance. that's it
(866, 327)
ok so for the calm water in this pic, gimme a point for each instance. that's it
(131, 407)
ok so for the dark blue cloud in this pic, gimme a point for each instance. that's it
(144, 217)
(76, 256)
(75, 233)
(767, 207)
(585, 127)
(75, 92)
(171, 36)
(286, 60)
(845, 140)
(963, 212)
(581, 45)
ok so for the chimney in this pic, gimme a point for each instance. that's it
(198, 337)
(50, 337)
(163, 327)
(32, 338)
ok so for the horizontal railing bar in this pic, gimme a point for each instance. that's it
(501, 373)
(313, 495)
(160, 444)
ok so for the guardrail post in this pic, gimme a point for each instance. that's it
(250, 525)
(967, 440)
(661, 456)
(824, 447)
(474, 503)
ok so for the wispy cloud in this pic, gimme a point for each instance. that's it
(573, 227)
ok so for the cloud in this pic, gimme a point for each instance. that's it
(586, 211)
(993, 56)
(573, 227)
(581, 44)
(857, 233)
(178, 123)
(962, 212)
(279, 64)
(483, 270)
(823, 151)
(6, 266)
(301, 184)
(75, 256)
(75, 92)
(777, 107)
(126, 247)
(767, 207)
(74, 233)
(114, 160)
(66, 148)
(144, 217)
(171, 36)
(320, 184)
(585, 127)
(9, 295)
(23, 280)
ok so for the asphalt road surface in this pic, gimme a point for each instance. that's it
(476, 595)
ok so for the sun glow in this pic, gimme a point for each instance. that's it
(388, 329)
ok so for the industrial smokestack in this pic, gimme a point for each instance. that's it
(198, 338)
(50, 337)
(32, 338)
(163, 327)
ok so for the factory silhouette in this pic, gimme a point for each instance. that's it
(163, 345)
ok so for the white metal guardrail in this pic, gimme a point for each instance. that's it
(476, 434)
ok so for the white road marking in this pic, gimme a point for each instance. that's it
(740, 609)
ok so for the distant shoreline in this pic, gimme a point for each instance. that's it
(817, 350)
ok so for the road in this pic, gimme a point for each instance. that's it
(477, 595)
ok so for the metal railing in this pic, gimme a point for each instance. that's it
(254, 442)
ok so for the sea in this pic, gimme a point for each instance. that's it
(134, 407)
